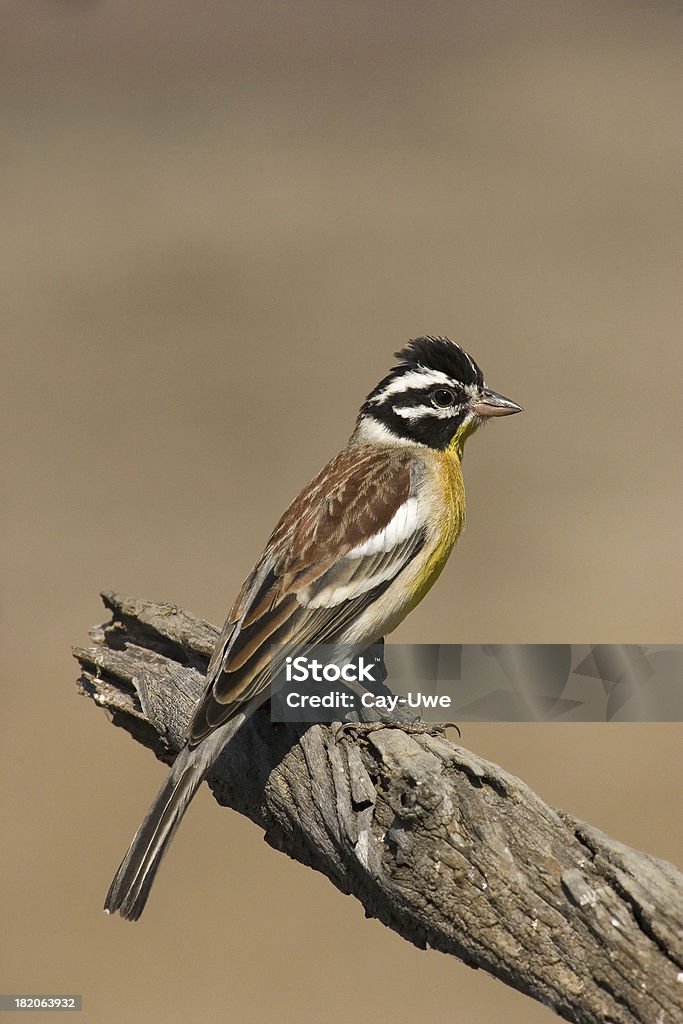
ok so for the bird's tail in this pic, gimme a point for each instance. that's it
(129, 891)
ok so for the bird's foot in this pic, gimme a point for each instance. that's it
(354, 730)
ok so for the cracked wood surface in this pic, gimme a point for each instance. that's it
(448, 849)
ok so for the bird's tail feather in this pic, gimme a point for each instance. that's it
(132, 883)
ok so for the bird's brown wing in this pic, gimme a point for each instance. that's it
(338, 546)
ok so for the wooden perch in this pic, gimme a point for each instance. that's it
(447, 849)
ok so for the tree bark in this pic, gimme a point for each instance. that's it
(449, 850)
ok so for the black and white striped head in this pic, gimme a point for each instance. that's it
(435, 395)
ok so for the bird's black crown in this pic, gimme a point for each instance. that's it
(437, 353)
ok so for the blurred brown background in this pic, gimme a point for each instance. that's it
(219, 221)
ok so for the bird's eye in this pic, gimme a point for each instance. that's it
(442, 398)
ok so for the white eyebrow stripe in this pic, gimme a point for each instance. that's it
(413, 379)
(418, 412)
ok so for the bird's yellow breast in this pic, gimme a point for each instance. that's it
(446, 494)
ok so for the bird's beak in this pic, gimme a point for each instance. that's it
(490, 403)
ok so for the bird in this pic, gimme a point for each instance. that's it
(354, 553)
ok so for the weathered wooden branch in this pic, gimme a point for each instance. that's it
(447, 849)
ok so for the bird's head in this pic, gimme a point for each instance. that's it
(435, 396)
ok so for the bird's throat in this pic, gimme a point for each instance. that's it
(457, 443)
